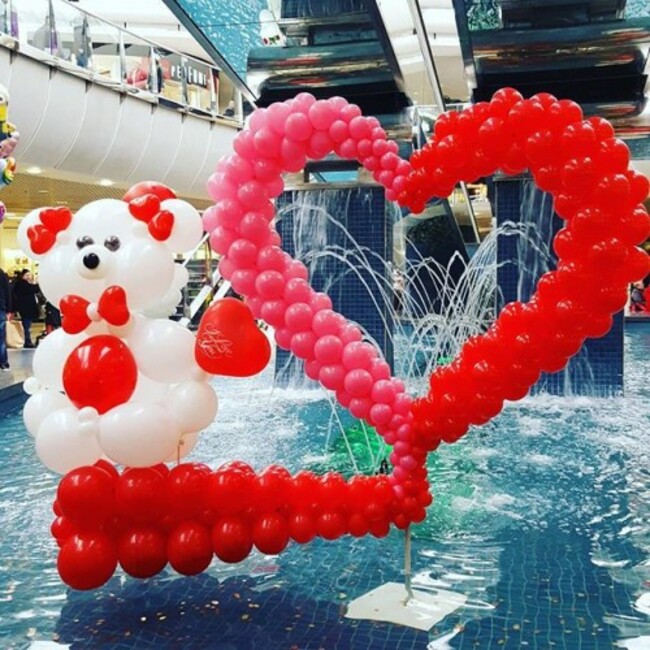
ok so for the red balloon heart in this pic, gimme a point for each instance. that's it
(100, 372)
(161, 225)
(229, 341)
(56, 219)
(144, 208)
(40, 239)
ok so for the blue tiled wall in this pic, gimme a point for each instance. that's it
(598, 368)
(320, 227)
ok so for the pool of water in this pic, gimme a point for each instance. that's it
(541, 518)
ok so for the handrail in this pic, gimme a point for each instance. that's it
(204, 92)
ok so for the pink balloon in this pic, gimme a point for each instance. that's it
(293, 155)
(312, 368)
(364, 148)
(255, 228)
(390, 438)
(349, 112)
(274, 187)
(221, 186)
(239, 169)
(267, 170)
(268, 143)
(320, 301)
(244, 144)
(358, 383)
(322, 114)
(379, 148)
(358, 355)
(277, 116)
(371, 163)
(349, 333)
(229, 212)
(255, 305)
(360, 407)
(270, 285)
(408, 463)
(297, 290)
(296, 269)
(303, 102)
(271, 258)
(326, 322)
(385, 178)
(399, 184)
(389, 161)
(320, 144)
(257, 120)
(243, 282)
(252, 195)
(404, 432)
(283, 338)
(383, 391)
(359, 128)
(221, 239)
(402, 447)
(402, 404)
(343, 398)
(273, 312)
(299, 316)
(210, 219)
(339, 131)
(379, 369)
(302, 344)
(328, 349)
(332, 376)
(347, 149)
(378, 133)
(338, 102)
(399, 475)
(374, 122)
(242, 253)
(226, 268)
(298, 127)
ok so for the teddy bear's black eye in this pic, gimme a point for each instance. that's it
(112, 243)
(84, 241)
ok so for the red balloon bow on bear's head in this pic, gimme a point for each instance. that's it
(228, 511)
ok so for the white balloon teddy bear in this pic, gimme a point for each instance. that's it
(119, 379)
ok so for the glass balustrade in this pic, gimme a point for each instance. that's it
(82, 43)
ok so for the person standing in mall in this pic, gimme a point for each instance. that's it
(5, 309)
(25, 302)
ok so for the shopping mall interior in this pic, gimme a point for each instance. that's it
(327, 324)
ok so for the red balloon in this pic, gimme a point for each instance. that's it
(229, 342)
(331, 525)
(87, 561)
(108, 467)
(100, 372)
(141, 495)
(187, 488)
(272, 487)
(62, 529)
(189, 548)
(302, 527)
(86, 496)
(230, 490)
(232, 540)
(271, 534)
(142, 552)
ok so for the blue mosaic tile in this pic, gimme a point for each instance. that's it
(524, 253)
(320, 228)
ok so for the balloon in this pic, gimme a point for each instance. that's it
(271, 534)
(86, 496)
(189, 548)
(138, 435)
(87, 560)
(145, 341)
(229, 342)
(193, 405)
(188, 230)
(100, 372)
(40, 405)
(187, 488)
(62, 445)
(140, 495)
(231, 540)
(142, 552)
(50, 357)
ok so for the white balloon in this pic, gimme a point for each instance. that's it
(186, 444)
(163, 350)
(61, 446)
(188, 229)
(40, 405)
(166, 306)
(138, 435)
(147, 390)
(145, 269)
(193, 404)
(51, 355)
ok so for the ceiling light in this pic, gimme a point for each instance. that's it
(106, 182)
(34, 170)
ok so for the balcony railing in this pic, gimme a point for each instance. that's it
(84, 44)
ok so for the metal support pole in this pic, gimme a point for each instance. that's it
(408, 574)
(434, 80)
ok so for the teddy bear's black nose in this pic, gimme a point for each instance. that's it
(91, 261)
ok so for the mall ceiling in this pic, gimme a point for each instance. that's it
(30, 191)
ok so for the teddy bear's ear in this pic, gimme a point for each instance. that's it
(38, 230)
(187, 230)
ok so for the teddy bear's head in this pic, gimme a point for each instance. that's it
(128, 243)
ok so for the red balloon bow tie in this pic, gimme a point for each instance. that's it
(77, 312)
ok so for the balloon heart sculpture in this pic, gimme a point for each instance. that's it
(146, 517)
